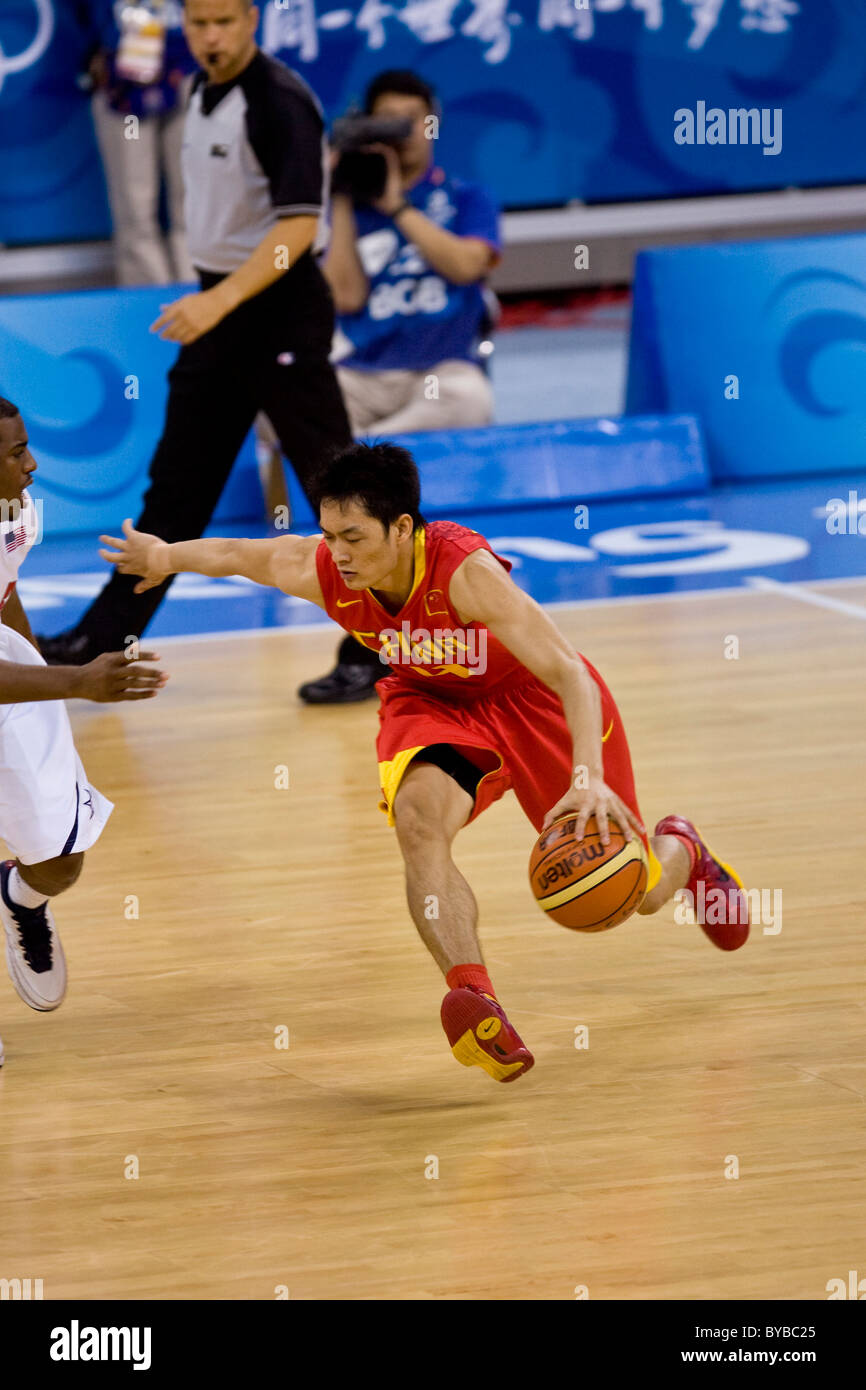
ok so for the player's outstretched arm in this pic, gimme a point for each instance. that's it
(288, 563)
(481, 591)
(108, 679)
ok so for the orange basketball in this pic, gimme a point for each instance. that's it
(584, 884)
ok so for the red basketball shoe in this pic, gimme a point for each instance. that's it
(481, 1036)
(717, 892)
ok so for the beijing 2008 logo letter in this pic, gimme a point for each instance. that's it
(18, 62)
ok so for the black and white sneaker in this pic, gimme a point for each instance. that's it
(34, 955)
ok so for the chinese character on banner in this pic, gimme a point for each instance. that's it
(579, 15)
(575, 15)
(491, 23)
(291, 24)
(369, 21)
(335, 19)
(705, 14)
(768, 16)
(653, 9)
(429, 20)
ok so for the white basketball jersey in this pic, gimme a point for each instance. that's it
(18, 533)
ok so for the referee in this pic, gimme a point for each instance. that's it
(257, 335)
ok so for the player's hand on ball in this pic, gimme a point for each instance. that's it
(114, 676)
(597, 800)
(138, 553)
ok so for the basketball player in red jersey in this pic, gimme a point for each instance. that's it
(483, 694)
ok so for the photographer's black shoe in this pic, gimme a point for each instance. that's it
(68, 649)
(344, 685)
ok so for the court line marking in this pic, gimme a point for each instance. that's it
(751, 585)
(759, 584)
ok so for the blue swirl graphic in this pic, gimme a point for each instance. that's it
(813, 333)
(498, 105)
(812, 277)
(805, 340)
(102, 433)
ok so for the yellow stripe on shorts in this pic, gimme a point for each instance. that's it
(391, 774)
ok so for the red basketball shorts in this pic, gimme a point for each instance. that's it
(517, 736)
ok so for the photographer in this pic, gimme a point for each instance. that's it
(406, 268)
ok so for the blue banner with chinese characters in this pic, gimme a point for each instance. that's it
(544, 101)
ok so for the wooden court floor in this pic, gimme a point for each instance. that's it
(267, 914)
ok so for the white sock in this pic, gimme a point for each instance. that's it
(21, 892)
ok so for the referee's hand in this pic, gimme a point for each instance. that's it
(189, 318)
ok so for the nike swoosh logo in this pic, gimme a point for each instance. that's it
(346, 603)
(605, 737)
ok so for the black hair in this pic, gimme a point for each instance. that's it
(8, 411)
(382, 478)
(404, 83)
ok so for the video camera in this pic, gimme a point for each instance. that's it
(361, 173)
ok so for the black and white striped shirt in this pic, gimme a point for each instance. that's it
(254, 150)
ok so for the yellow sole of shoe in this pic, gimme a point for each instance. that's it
(727, 868)
(470, 1054)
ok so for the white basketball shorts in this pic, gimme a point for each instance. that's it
(47, 805)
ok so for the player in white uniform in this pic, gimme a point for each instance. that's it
(49, 812)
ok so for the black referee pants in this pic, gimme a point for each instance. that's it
(216, 388)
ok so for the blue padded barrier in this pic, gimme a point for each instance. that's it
(90, 381)
(765, 342)
(514, 466)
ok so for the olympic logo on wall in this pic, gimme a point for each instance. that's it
(19, 62)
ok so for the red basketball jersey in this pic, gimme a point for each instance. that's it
(425, 643)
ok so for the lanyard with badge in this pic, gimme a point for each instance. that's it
(141, 52)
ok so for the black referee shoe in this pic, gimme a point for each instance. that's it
(344, 685)
(68, 649)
